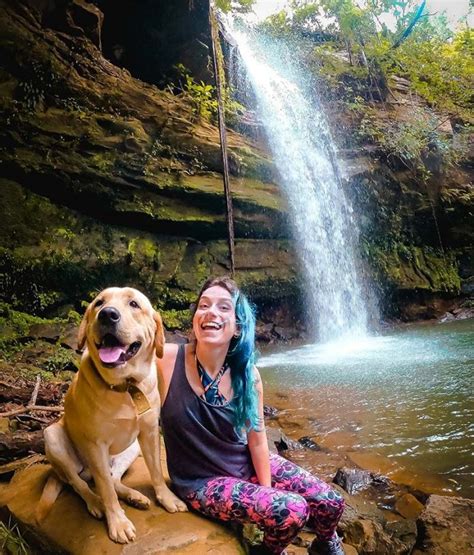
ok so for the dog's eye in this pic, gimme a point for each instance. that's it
(100, 302)
(134, 304)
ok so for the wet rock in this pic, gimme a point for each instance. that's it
(458, 314)
(408, 506)
(353, 480)
(270, 412)
(446, 526)
(278, 441)
(309, 443)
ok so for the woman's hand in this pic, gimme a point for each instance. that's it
(257, 441)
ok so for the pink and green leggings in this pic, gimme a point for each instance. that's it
(296, 498)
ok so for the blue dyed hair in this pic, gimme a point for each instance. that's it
(241, 356)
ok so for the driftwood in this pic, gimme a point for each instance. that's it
(20, 464)
(45, 394)
(19, 444)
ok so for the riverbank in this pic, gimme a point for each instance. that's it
(381, 515)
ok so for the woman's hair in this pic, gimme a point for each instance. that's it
(241, 355)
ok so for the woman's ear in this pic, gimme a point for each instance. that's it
(159, 335)
(82, 335)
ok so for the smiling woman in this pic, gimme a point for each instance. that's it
(215, 439)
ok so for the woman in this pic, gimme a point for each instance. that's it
(214, 432)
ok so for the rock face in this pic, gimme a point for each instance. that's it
(70, 529)
(446, 526)
(106, 179)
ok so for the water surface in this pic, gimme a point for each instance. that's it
(406, 394)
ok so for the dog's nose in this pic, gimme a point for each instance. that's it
(109, 315)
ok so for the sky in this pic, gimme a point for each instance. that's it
(454, 8)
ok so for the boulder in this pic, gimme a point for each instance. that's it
(278, 441)
(353, 479)
(408, 506)
(365, 527)
(69, 528)
(446, 526)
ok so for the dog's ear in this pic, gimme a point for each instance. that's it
(159, 335)
(82, 335)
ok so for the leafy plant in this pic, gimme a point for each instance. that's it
(12, 541)
(204, 97)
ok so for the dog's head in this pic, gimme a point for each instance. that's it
(122, 332)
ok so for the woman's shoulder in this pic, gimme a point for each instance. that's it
(170, 352)
(170, 349)
(165, 367)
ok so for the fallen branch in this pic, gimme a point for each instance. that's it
(34, 395)
(20, 464)
(29, 408)
(20, 444)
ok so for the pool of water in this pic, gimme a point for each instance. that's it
(406, 394)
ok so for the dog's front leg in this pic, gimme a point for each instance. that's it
(121, 529)
(149, 439)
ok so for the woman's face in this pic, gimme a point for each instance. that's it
(214, 320)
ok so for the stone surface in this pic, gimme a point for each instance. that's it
(69, 528)
(446, 527)
(365, 527)
(278, 441)
(409, 506)
(353, 479)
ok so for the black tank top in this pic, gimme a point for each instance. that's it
(200, 439)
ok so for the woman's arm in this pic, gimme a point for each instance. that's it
(257, 441)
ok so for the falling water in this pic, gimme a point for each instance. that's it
(320, 214)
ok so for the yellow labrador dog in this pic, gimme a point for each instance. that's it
(112, 402)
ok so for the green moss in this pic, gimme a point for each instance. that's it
(103, 162)
(60, 359)
(411, 267)
(176, 319)
(15, 324)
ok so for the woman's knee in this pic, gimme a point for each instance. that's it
(329, 503)
(287, 511)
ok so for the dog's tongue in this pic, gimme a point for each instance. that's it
(110, 354)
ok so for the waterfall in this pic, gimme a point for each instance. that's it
(321, 216)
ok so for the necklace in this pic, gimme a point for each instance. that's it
(211, 393)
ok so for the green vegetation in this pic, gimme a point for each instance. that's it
(12, 541)
(203, 97)
(359, 61)
(237, 5)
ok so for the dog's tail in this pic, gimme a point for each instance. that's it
(50, 493)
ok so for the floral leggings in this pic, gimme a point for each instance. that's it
(296, 498)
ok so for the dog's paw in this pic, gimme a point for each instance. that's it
(138, 500)
(121, 530)
(169, 501)
(94, 506)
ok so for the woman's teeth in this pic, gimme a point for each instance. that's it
(211, 325)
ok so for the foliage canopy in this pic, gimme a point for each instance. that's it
(356, 57)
